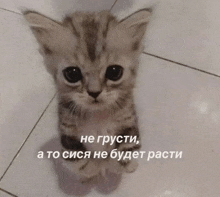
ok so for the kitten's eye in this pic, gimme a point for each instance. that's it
(72, 74)
(114, 72)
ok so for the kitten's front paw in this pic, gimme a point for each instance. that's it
(89, 169)
(85, 180)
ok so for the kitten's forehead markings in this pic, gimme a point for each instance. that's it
(69, 22)
(91, 30)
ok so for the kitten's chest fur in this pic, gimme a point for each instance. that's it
(98, 124)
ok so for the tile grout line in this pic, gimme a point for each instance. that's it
(9, 193)
(181, 64)
(113, 5)
(27, 138)
(10, 11)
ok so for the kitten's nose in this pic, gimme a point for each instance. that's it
(94, 94)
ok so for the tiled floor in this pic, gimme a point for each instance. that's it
(177, 96)
(186, 31)
(4, 194)
(26, 89)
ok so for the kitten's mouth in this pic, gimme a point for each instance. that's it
(96, 104)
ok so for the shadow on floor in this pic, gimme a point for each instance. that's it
(69, 184)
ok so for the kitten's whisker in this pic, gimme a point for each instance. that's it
(119, 105)
(74, 108)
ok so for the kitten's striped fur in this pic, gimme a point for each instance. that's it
(92, 42)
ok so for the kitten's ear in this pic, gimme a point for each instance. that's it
(136, 23)
(49, 33)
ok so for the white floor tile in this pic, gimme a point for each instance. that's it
(186, 31)
(56, 8)
(178, 110)
(9, 5)
(26, 88)
(3, 194)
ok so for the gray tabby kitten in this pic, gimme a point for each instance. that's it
(93, 58)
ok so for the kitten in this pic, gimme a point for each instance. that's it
(93, 59)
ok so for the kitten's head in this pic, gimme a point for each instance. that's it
(93, 57)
